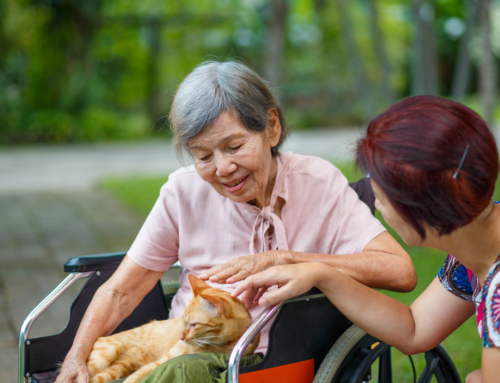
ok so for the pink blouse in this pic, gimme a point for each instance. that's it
(194, 224)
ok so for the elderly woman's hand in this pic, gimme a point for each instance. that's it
(240, 268)
(74, 371)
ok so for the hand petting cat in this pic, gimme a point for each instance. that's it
(240, 268)
(291, 280)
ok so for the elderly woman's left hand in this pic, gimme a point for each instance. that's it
(239, 268)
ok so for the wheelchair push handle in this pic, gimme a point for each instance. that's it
(233, 369)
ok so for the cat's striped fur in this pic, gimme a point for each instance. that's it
(212, 322)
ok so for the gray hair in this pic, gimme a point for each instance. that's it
(217, 87)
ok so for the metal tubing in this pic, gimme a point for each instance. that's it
(39, 310)
(233, 369)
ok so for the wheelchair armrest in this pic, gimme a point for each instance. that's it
(109, 261)
(98, 262)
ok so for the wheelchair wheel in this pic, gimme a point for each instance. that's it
(352, 357)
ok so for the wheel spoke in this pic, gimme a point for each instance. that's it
(429, 370)
(385, 368)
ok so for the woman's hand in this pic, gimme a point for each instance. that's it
(240, 268)
(292, 281)
(74, 371)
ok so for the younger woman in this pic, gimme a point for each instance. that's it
(433, 165)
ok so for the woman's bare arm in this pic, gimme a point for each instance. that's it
(383, 264)
(430, 319)
(490, 365)
(112, 303)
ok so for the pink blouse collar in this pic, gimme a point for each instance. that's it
(266, 217)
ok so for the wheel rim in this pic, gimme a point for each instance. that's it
(438, 364)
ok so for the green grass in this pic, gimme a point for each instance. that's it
(464, 345)
(137, 193)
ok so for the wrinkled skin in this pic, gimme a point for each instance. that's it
(240, 268)
(75, 371)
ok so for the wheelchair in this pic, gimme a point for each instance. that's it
(309, 340)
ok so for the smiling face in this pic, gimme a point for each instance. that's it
(394, 220)
(237, 162)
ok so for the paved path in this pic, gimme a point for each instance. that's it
(77, 168)
(38, 234)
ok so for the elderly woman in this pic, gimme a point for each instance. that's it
(433, 166)
(242, 198)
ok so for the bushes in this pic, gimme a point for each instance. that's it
(103, 124)
(60, 126)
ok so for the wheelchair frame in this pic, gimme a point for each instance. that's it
(322, 347)
(290, 312)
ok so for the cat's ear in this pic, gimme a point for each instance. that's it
(222, 307)
(197, 285)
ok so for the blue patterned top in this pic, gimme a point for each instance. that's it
(462, 282)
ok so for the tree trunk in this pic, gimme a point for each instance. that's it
(153, 29)
(462, 66)
(487, 74)
(424, 71)
(380, 53)
(361, 81)
(273, 55)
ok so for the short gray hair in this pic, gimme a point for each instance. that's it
(217, 87)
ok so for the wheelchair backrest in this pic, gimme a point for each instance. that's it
(302, 333)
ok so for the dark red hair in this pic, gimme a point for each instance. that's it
(412, 151)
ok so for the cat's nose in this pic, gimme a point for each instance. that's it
(182, 337)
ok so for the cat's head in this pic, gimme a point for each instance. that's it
(213, 317)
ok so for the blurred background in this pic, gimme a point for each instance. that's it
(73, 71)
(85, 87)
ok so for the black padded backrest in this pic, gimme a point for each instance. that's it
(42, 354)
(302, 330)
(365, 193)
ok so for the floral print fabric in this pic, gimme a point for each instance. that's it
(459, 280)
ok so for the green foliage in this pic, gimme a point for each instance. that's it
(101, 124)
(474, 103)
(80, 71)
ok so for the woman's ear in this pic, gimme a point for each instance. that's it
(273, 127)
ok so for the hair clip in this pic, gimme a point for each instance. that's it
(455, 176)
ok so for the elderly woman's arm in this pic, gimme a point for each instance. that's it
(383, 264)
(112, 303)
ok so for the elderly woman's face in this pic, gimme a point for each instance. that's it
(238, 162)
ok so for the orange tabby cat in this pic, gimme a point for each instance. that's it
(212, 322)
